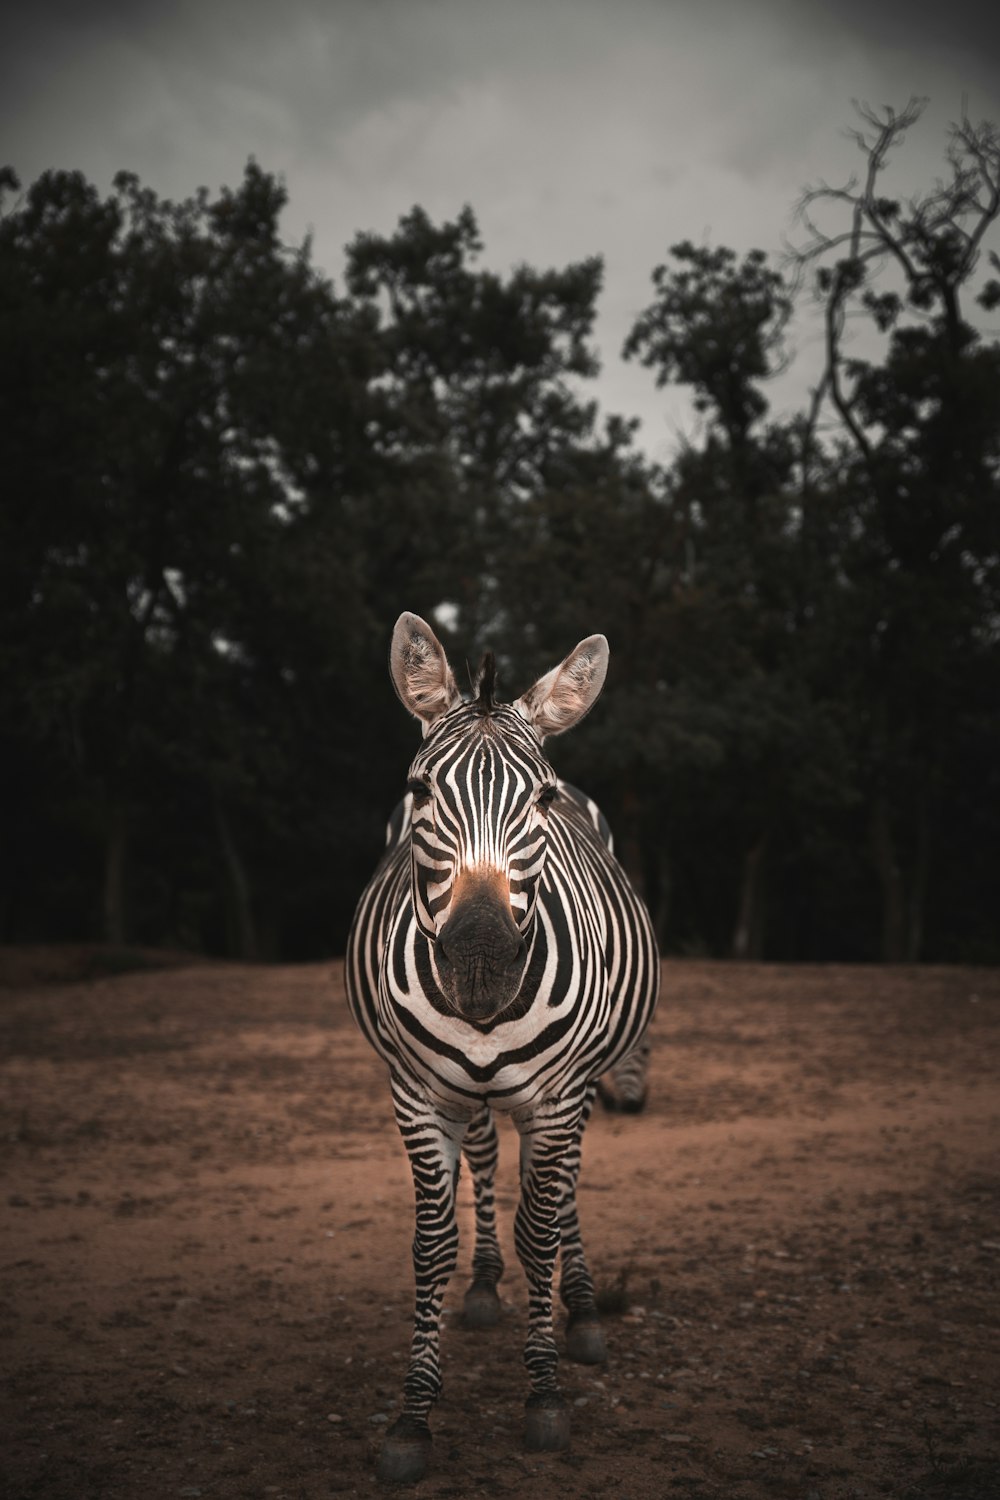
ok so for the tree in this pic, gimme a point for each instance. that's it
(922, 470)
(157, 476)
(479, 400)
(740, 601)
(223, 480)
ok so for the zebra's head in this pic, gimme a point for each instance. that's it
(481, 788)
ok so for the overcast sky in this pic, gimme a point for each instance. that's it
(572, 127)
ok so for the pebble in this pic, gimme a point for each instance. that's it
(334, 1416)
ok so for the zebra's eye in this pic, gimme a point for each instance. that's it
(547, 796)
(418, 790)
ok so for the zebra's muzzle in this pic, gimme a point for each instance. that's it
(479, 953)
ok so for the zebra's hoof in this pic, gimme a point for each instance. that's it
(403, 1456)
(546, 1424)
(481, 1308)
(617, 1104)
(585, 1340)
(633, 1106)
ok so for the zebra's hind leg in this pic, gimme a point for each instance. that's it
(481, 1308)
(482, 1304)
(623, 1090)
(433, 1144)
(585, 1342)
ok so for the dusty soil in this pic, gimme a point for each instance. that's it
(205, 1245)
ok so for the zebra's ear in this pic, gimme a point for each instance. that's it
(562, 697)
(420, 671)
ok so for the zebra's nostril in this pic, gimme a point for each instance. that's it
(441, 946)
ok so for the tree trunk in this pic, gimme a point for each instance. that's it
(664, 892)
(238, 900)
(6, 907)
(115, 845)
(748, 934)
(629, 846)
(891, 880)
(918, 887)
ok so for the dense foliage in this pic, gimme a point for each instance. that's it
(225, 477)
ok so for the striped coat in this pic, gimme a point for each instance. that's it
(500, 962)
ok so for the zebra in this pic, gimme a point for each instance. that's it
(498, 961)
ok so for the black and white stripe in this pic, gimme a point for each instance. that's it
(500, 962)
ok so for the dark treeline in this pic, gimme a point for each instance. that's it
(225, 475)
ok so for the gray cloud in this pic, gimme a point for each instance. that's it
(572, 126)
(966, 28)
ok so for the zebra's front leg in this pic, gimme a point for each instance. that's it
(584, 1336)
(481, 1308)
(544, 1149)
(433, 1143)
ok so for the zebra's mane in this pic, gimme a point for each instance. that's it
(485, 701)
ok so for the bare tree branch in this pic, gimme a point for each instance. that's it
(934, 240)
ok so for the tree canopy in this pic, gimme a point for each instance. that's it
(226, 474)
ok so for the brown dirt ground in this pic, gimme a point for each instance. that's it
(204, 1249)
